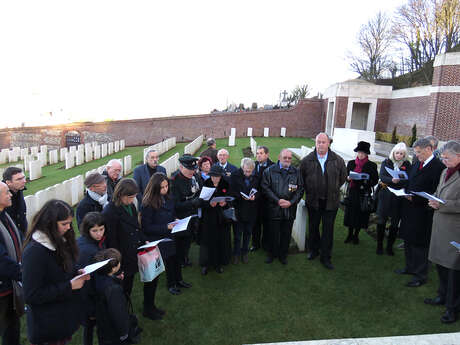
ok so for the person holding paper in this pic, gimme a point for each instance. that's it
(243, 181)
(204, 165)
(283, 187)
(185, 190)
(215, 246)
(122, 227)
(389, 205)
(223, 162)
(355, 218)
(417, 216)
(91, 241)
(49, 266)
(446, 228)
(157, 219)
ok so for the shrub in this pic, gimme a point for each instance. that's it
(394, 136)
(413, 138)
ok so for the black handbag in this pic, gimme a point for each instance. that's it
(18, 301)
(368, 203)
(230, 214)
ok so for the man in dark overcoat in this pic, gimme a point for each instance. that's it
(16, 181)
(323, 173)
(143, 172)
(417, 216)
(95, 198)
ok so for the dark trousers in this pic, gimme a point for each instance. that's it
(173, 270)
(88, 330)
(150, 290)
(127, 284)
(241, 230)
(9, 322)
(321, 244)
(280, 231)
(261, 232)
(416, 261)
(449, 287)
(183, 243)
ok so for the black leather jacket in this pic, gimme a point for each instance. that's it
(278, 185)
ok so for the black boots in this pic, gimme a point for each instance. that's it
(350, 236)
(380, 237)
(391, 239)
(356, 237)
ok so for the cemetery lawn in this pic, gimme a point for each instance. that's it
(260, 303)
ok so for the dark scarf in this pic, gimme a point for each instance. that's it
(451, 171)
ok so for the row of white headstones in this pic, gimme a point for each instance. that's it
(232, 137)
(72, 190)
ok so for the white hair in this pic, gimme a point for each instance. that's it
(223, 151)
(248, 162)
(398, 147)
(112, 161)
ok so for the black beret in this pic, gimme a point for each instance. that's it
(216, 170)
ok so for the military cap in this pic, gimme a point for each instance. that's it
(216, 170)
(189, 162)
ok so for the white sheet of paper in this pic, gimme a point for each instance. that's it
(181, 224)
(206, 193)
(251, 193)
(154, 243)
(92, 268)
(428, 196)
(397, 174)
(398, 192)
(358, 176)
(456, 245)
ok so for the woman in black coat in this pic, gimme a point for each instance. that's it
(158, 215)
(355, 219)
(389, 205)
(215, 245)
(91, 241)
(244, 181)
(123, 231)
(51, 291)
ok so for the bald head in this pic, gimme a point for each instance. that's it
(322, 143)
(5, 196)
(285, 158)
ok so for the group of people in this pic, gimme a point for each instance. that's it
(42, 262)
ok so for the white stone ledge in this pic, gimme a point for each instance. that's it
(447, 59)
(420, 91)
(425, 339)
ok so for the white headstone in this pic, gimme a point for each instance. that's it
(24, 152)
(110, 149)
(35, 170)
(34, 150)
(31, 206)
(233, 132)
(122, 144)
(43, 158)
(27, 160)
(249, 131)
(53, 156)
(52, 193)
(67, 188)
(80, 158)
(116, 146)
(283, 131)
(60, 191)
(103, 150)
(80, 189)
(69, 160)
(62, 153)
(253, 146)
(42, 198)
(266, 131)
(88, 153)
(44, 148)
(4, 156)
(299, 227)
(13, 156)
(231, 141)
(97, 152)
(81, 147)
(73, 149)
(127, 165)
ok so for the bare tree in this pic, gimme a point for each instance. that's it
(374, 41)
(298, 93)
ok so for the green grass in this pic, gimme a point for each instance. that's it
(257, 303)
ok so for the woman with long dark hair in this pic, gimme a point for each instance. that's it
(157, 217)
(51, 288)
(123, 231)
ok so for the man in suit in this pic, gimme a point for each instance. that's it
(143, 172)
(323, 173)
(16, 181)
(10, 257)
(417, 216)
(222, 156)
(259, 236)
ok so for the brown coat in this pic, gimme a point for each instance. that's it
(446, 223)
(311, 172)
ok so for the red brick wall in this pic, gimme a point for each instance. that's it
(447, 116)
(341, 104)
(381, 115)
(446, 75)
(405, 112)
(303, 120)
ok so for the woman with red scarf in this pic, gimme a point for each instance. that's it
(356, 219)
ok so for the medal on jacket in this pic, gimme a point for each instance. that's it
(292, 187)
(195, 186)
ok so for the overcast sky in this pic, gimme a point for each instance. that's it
(96, 60)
